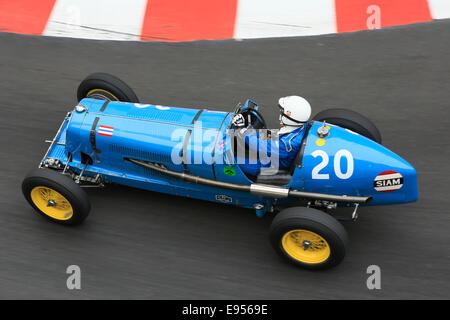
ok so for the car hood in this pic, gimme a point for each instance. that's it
(204, 118)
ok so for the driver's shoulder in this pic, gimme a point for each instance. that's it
(292, 134)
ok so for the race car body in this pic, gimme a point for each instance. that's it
(109, 137)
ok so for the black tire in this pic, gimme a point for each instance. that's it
(73, 193)
(350, 120)
(105, 87)
(313, 221)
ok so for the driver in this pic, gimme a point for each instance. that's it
(294, 114)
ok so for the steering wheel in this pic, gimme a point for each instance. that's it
(254, 119)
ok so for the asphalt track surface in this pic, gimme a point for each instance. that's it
(138, 244)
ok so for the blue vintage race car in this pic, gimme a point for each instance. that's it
(110, 137)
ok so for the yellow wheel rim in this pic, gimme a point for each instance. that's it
(305, 246)
(102, 93)
(52, 203)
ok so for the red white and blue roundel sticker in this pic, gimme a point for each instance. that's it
(388, 181)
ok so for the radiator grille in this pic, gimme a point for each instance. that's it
(139, 154)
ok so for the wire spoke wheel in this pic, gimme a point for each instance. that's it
(101, 95)
(308, 238)
(52, 203)
(56, 196)
(305, 246)
(104, 86)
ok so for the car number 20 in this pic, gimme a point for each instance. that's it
(337, 164)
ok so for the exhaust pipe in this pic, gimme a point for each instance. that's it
(254, 188)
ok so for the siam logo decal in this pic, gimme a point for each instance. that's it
(388, 181)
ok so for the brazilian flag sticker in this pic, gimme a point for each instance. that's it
(229, 171)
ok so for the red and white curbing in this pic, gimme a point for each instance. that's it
(187, 20)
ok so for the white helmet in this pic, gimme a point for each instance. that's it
(294, 111)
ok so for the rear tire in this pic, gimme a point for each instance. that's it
(351, 120)
(105, 86)
(56, 197)
(308, 238)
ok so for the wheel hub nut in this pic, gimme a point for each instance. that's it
(306, 245)
(51, 203)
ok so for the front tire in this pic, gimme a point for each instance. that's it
(308, 238)
(105, 86)
(351, 120)
(56, 197)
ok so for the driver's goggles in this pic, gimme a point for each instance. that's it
(288, 116)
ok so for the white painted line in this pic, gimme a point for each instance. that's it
(440, 9)
(284, 18)
(100, 19)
